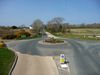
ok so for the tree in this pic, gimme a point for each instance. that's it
(82, 25)
(37, 25)
(55, 24)
(57, 20)
(14, 27)
(22, 26)
(66, 28)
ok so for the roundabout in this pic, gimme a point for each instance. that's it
(77, 52)
(52, 41)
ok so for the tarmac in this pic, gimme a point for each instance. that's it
(35, 65)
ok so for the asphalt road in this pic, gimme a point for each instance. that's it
(35, 65)
(84, 56)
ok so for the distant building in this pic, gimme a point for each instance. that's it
(30, 27)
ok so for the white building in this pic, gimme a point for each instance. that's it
(30, 27)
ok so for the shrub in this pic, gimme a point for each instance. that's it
(36, 36)
(21, 33)
(2, 44)
(9, 36)
(53, 40)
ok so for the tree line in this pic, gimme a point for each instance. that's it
(56, 24)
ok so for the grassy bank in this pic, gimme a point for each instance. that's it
(76, 36)
(6, 60)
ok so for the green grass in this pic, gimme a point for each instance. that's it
(70, 35)
(87, 38)
(6, 60)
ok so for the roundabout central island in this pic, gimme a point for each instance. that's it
(52, 41)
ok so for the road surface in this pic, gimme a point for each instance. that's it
(84, 56)
(35, 65)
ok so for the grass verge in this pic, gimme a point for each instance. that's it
(77, 36)
(6, 60)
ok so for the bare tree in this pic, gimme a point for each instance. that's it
(37, 25)
(55, 24)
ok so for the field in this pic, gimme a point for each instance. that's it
(86, 34)
(85, 31)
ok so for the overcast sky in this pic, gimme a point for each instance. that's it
(17, 12)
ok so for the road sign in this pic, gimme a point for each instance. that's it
(62, 58)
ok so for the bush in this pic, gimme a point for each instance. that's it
(36, 36)
(21, 33)
(2, 44)
(9, 36)
(52, 40)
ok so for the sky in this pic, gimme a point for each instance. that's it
(18, 12)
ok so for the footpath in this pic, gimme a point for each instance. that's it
(35, 65)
